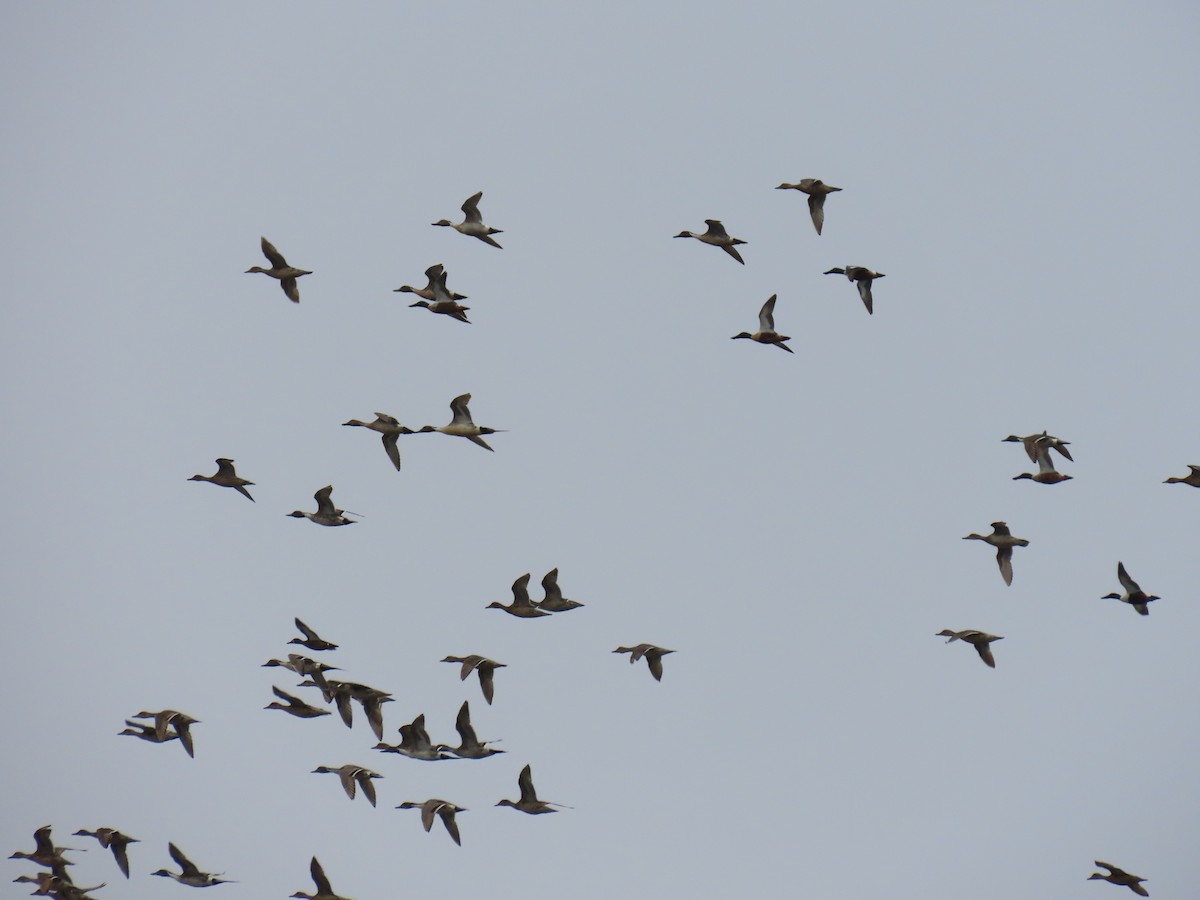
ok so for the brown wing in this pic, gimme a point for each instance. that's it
(273, 256)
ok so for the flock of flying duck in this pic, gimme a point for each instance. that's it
(169, 725)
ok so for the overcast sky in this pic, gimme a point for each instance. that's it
(791, 525)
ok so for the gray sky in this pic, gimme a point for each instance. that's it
(790, 525)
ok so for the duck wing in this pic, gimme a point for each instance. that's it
(766, 315)
(273, 256)
(470, 208)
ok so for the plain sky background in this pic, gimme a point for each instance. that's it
(1024, 174)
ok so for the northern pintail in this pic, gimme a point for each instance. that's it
(766, 333)
(168, 719)
(1046, 473)
(716, 236)
(371, 699)
(653, 656)
(472, 223)
(147, 732)
(415, 743)
(190, 875)
(863, 276)
(470, 747)
(817, 191)
(304, 666)
(444, 302)
(522, 606)
(226, 476)
(443, 808)
(1134, 595)
(461, 424)
(46, 854)
(481, 664)
(1001, 538)
(58, 886)
(295, 705)
(391, 429)
(286, 274)
(554, 601)
(433, 276)
(352, 776)
(115, 841)
(326, 513)
(324, 889)
(311, 639)
(529, 802)
(978, 639)
(1031, 443)
(1120, 876)
(1192, 477)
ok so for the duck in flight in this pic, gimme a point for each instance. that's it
(326, 513)
(226, 476)
(653, 656)
(766, 333)
(716, 236)
(980, 640)
(522, 606)
(1134, 595)
(1001, 538)
(472, 223)
(280, 269)
(391, 429)
(190, 875)
(442, 808)
(529, 802)
(817, 191)
(440, 300)
(461, 424)
(324, 888)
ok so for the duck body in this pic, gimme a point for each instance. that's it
(554, 601)
(434, 275)
(522, 606)
(168, 720)
(470, 747)
(863, 277)
(980, 640)
(311, 639)
(1033, 442)
(295, 706)
(1119, 876)
(190, 875)
(441, 808)
(461, 423)
(1046, 473)
(766, 333)
(1002, 539)
(486, 668)
(529, 802)
(440, 300)
(391, 429)
(324, 889)
(113, 840)
(817, 191)
(1192, 477)
(1133, 595)
(717, 236)
(352, 777)
(227, 476)
(472, 223)
(326, 513)
(652, 654)
(415, 743)
(280, 269)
